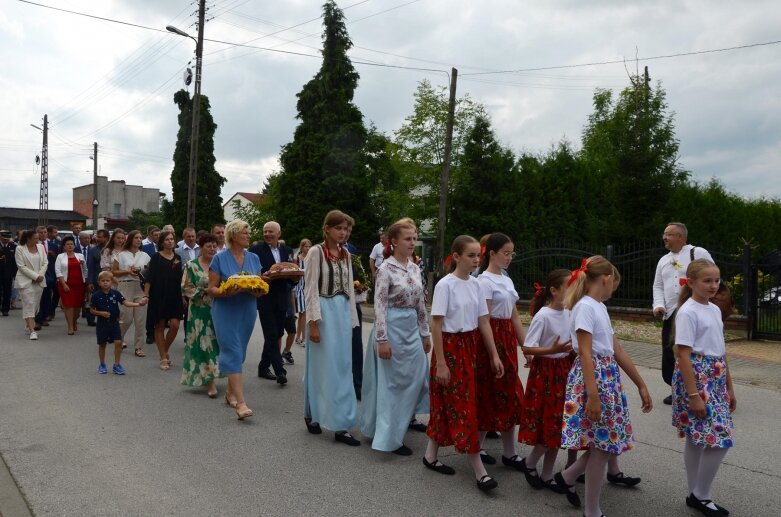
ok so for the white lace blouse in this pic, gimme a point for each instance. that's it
(398, 286)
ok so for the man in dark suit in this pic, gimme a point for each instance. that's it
(50, 297)
(7, 269)
(77, 242)
(85, 246)
(272, 307)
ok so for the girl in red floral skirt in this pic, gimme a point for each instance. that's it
(549, 342)
(458, 311)
(499, 400)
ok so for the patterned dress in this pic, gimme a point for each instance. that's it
(201, 351)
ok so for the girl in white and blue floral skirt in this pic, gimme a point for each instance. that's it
(596, 414)
(703, 397)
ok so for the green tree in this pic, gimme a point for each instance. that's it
(324, 167)
(420, 147)
(484, 197)
(629, 145)
(140, 220)
(208, 204)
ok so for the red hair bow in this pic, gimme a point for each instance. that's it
(538, 289)
(448, 260)
(683, 281)
(577, 272)
(482, 252)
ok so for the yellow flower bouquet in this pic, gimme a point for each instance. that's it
(245, 281)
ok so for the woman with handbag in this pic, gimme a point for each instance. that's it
(126, 267)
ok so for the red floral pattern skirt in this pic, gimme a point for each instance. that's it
(453, 413)
(543, 404)
(499, 401)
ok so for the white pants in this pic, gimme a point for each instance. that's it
(131, 290)
(31, 299)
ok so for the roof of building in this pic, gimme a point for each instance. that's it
(32, 213)
(252, 197)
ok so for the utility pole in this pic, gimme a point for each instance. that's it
(43, 198)
(196, 114)
(444, 178)
(95, 187)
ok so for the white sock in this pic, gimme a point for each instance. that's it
(709, 467)
(692, 455)
(477, 465)
(534, 456)
(612, 465)
(483, 434)
(572, 472)
(432, 450)
(509, 440)
(595, 477)
(548, 463)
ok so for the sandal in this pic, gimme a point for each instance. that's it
(487, 483)
(245, 413)
(140, 353)
(164, 365)
(566, 489)
(231, 402)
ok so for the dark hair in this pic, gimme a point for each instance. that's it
(110, 243)
(206, 238)
(68, 238)
(103, 232)
(394, 232)
(163, 235)
(459, 244)
(129, 241)
(26, 234)
(494, 243)
(150, 229)
(543, 297)
(51, 228)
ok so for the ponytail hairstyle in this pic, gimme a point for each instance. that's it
(616, 278)
(394, 232)
(692, 273)
(589, 271)
(491, 242)
(543, 295)
(459, 244)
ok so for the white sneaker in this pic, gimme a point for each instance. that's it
(33, 335)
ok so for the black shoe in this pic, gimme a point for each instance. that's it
(313, 428)
(403, 451)
(487, 483)
(668, 400)
(281, 379)
(581, 479)
(358, 392)
(702, 506)
(5, 314)
(621, 479)
(533, 479)
(438, 466)
(492, 434)
(417, 426)
(346, 439)
(288, 357)
(487, 459)
(550, 484)
(572, 496)
(150, 341)
(515, 462)
(266, 374)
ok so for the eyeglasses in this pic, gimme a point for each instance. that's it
(670, 234)
(508, 254)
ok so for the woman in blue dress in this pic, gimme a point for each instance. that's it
(395, 373)
(329, 397)
(233, 312)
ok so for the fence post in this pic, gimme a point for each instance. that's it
(609, 253)
(748, 279)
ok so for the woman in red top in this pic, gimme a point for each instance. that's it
(71, 271)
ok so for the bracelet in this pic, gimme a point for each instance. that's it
(693, 395)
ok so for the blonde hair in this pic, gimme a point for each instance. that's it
(696, 267)
(590, 270)
(105, 274)
(408, 221)
(234, 228)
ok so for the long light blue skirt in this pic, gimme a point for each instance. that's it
(329, 395)
(396, 389)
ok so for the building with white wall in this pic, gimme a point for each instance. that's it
(116, 201)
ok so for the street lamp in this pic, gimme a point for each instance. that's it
(196, 112)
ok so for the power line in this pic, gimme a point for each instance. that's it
(617, 61)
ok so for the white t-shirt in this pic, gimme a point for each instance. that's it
(591, 316)
(699, 326)
(126, 259)
(501, 291)
(548, 327)
(460, 302)
(376, 254)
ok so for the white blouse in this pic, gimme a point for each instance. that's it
(547, 328)
(460, 302)
(699, 326)
(127, 258)
(501, 291)
(400, 287)
(337, 280)
(591, 316)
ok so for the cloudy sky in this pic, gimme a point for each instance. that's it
(114, 84)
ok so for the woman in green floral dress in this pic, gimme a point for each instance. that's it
(201, 352)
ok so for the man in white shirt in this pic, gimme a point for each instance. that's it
(667, 286)
(375, 257)
(188, 249)
(218, 230)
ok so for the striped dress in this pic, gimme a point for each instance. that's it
(298, 291)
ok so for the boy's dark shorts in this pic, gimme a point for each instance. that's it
(108, 332)
(290, 324)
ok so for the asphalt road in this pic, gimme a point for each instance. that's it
(79, 443)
